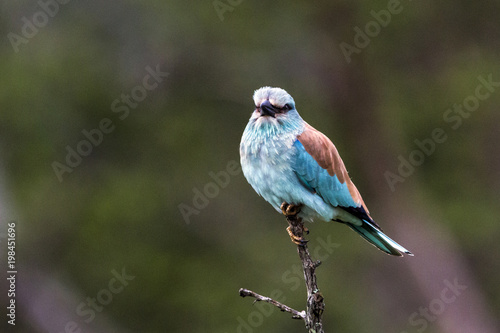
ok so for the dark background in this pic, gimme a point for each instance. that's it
(120, 208)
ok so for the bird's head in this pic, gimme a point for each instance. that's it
(274, 107)
(272, 102)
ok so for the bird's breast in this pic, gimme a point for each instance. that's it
(267, 153)
(267, 165)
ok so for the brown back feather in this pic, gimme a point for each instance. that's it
(326, 155)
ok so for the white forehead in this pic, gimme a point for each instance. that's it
(277, 96)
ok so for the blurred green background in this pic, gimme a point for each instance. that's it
(120, 209)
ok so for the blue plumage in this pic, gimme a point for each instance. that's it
(287, 160)
(327, 187)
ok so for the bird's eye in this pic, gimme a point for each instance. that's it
(287, 107)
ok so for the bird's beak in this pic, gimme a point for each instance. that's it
(266, 109)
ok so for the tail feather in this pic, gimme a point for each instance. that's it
(379, 239)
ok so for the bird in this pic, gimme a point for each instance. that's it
(298, 170)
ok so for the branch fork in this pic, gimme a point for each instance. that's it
(315, 302)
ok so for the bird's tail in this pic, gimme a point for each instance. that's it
(376, 237)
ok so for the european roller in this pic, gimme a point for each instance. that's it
(291, 164)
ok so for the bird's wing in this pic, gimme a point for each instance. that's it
(319, 167)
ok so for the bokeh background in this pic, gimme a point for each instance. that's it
(133, 205)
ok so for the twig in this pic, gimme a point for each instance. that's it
(315, 304)
(282, 307)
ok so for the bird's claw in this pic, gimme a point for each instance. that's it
(290, 209)
(296, 239)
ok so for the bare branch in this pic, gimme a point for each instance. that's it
(282, 307)
(315, 304)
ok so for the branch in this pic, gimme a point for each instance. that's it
(315, 304)
(282, 307)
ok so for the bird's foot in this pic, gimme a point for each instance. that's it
(290, 209)
(299, 240)
(296, 228)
